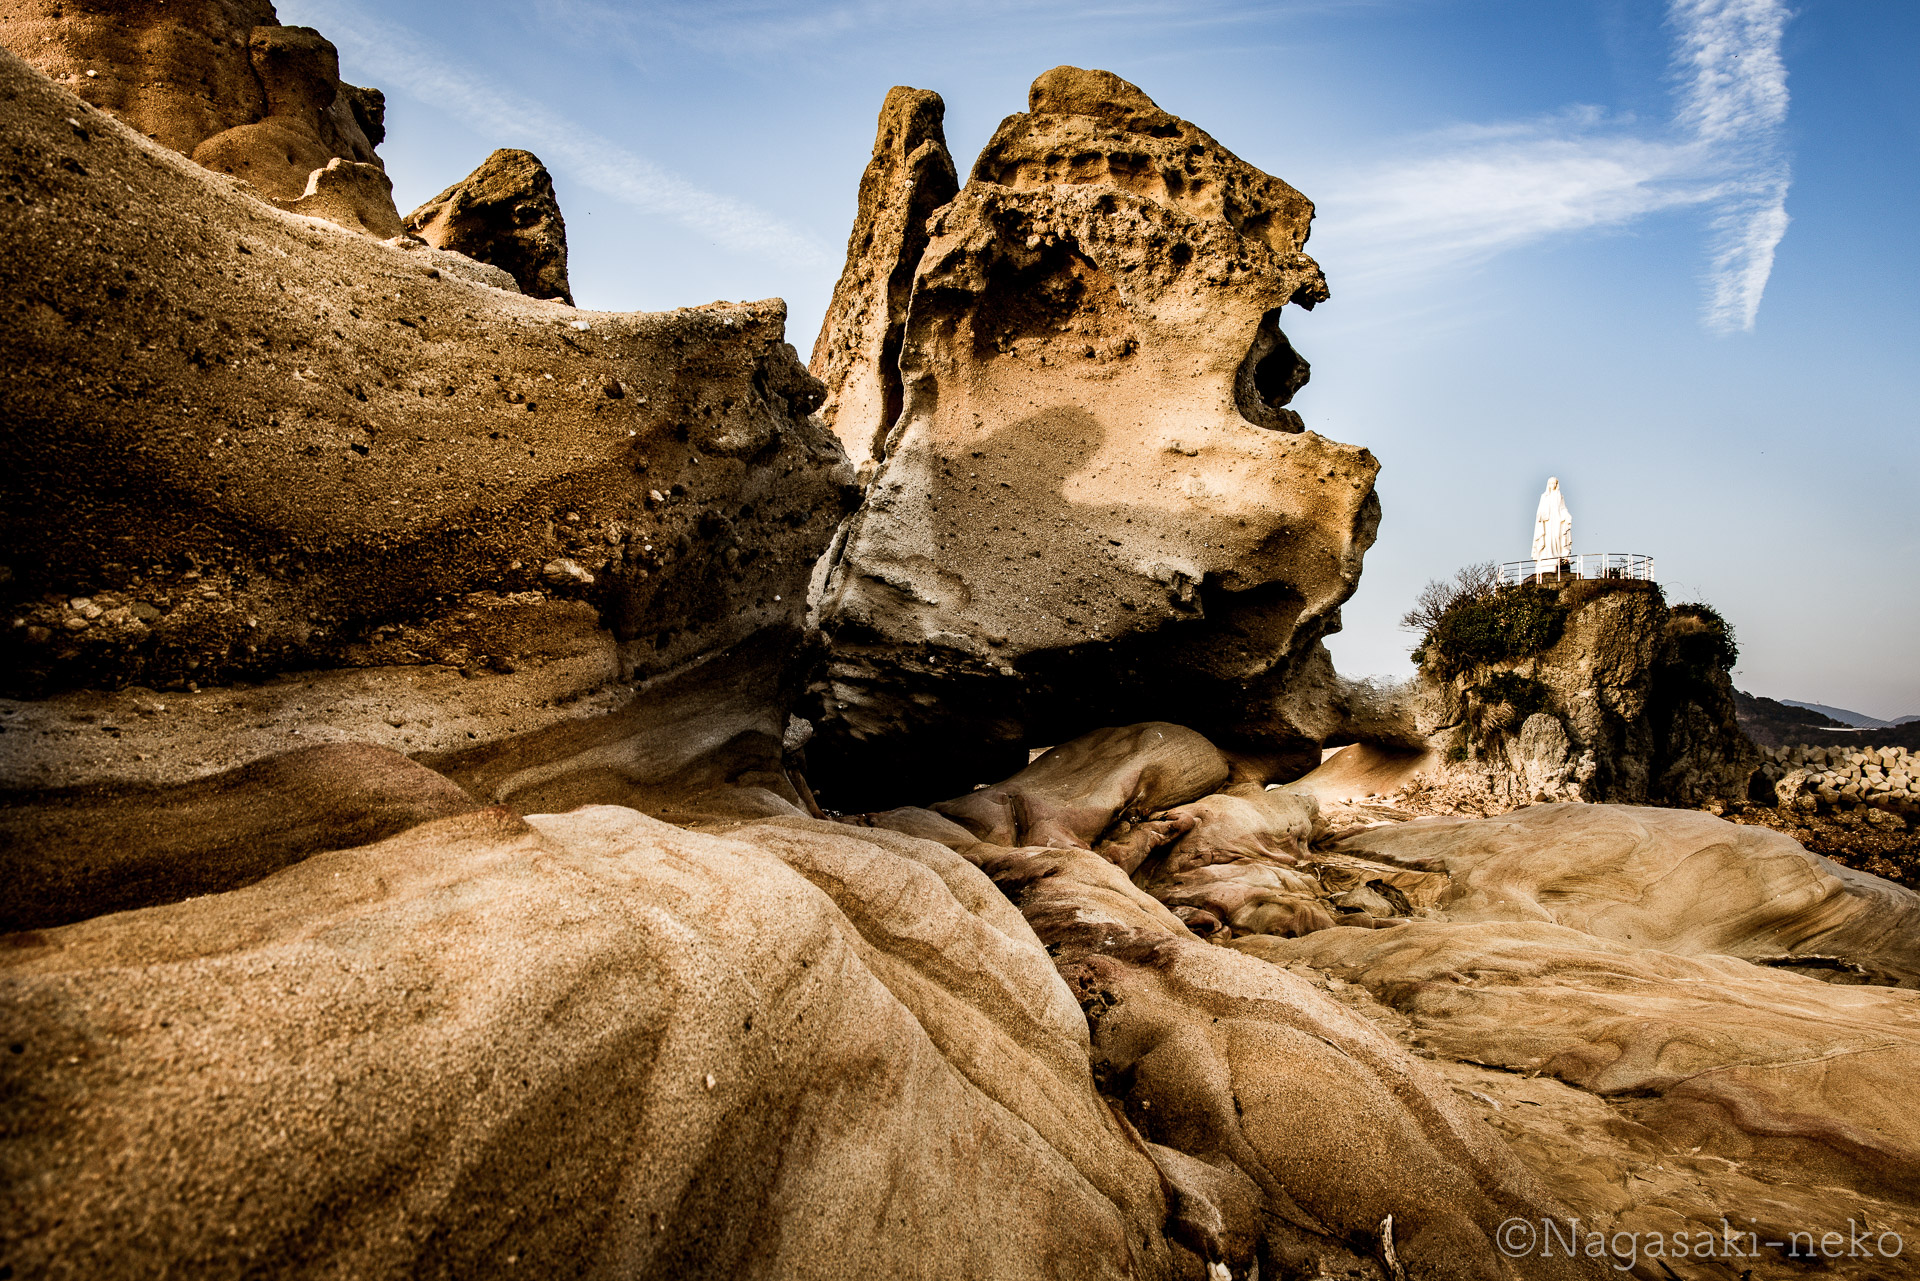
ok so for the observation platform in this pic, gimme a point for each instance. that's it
(1585, 565)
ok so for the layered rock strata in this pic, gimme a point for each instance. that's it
(503, 213)
(1094, 503)
(373, 497)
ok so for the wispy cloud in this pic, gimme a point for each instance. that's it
(750, 28)
(1459, 197)
(401, 60)
(1734, 102)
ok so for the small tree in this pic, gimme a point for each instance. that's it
(1474, 582)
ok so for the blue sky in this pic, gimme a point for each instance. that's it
(1663, 249)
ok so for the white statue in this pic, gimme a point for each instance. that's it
(1552, 525)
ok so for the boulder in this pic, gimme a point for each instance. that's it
(218, 80)
(503, 213)
(1094, 504)
(857, 355)
(255, 508)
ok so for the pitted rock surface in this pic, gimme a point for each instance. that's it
(1094, 474)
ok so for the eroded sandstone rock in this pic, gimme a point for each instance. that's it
(588, 1040)
(1244, 1068)
(503, 213)
(242, 446)
(1723, 888)
(1664, 965)
(1076, 793)
(218, 80)
(857, 354)
(1095, 504)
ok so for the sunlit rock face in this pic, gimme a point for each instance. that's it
(218, 80)
(1095, 496)
(858, 352)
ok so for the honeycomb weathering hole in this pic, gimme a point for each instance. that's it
(1272, 373)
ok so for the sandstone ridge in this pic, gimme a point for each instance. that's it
(262, 462)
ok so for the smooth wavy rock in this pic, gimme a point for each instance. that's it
(1676, 881)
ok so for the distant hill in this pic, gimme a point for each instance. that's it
(1782, 722)
(1905, 720)
(1857, 720)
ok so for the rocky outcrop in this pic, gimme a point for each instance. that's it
(243, 446)
(1095, 505)
(1586, 690)
(503, 213)
(218, 80)
(857, 355)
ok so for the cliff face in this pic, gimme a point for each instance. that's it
(1094, 504)
(1613, 696)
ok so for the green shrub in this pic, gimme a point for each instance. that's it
(1510, 623)
(1701, 638)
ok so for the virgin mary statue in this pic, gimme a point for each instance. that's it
(1552, 525)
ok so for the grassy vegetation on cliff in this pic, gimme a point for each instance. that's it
(1503, 624)
(1701, 637)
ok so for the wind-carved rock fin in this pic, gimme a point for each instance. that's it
(857, 354)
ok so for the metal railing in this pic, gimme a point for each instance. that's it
(1584, 565)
